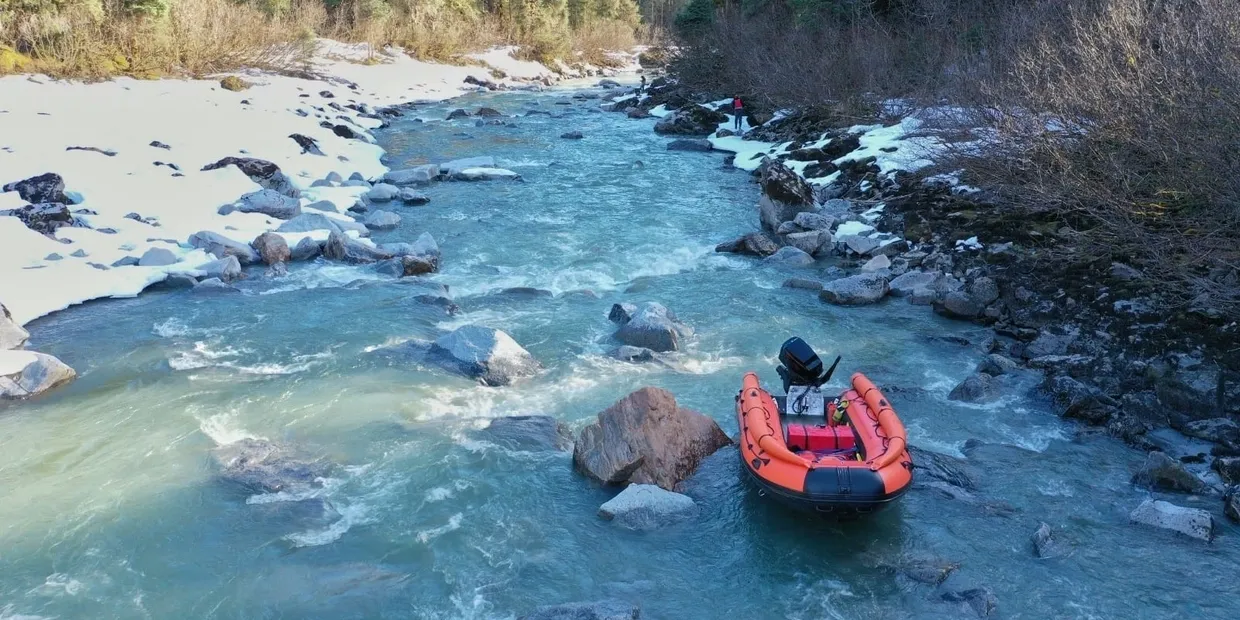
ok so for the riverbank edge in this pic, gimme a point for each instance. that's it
(287, 140)
(1114, 357)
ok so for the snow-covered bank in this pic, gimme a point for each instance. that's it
(132, 155)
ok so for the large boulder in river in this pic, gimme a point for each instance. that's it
(486, 354)
(1167, 474)
(654, 327)
(261, 466)
(528, 433)
(785, 195)
(976, 388)
(1192, 522)
(609, 609)
(220, 246)
(24, 374)
(44, 188)
(346, 249)
(12, 335)
(381, 220)
(265, 173)
(867, 288)
(272, 248)
(646, 438)
(646, 507)
(752, 244)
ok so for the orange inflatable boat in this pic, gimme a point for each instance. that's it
(843, 456)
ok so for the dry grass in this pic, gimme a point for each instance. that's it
(197, 37)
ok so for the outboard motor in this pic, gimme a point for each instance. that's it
(801, 366)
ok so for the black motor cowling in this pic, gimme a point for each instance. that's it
(801, 366)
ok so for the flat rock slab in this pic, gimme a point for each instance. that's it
(1191, 522)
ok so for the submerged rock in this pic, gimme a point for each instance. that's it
(700, 146)
(646, 507)
(1165, 473)
(1044, 544)
(633, 354)
(977, 388)
(752, 244)
(947, 469)
(855, 290)
(981, 600)
(528, 433)
(654, 327)
(261, 466)
(596, 610)
(12, 335)
(486, 354)
(646, 438)
(26, 374)
(932, 571)
(572, 135)
(1191, 522)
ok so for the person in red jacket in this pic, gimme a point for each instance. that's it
(738, 110)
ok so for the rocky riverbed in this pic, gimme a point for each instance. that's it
(436, 419)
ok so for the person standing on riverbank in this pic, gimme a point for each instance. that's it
(738, 110)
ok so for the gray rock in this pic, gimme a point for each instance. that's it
(572, 135)
(1048, 343)
(789, 256)
(1167, 474)
(983, 290)
(700, 146)
(1228, 468)
(486, 354)
(307, 222)
(356, 176)
(383, 192)
(959, 305)
(1045, 545)
(272, 248)
(382, 220)
(225, 269)
(334, 177)
(1191, 522)
(1231, 505)
(12, 335)
(855, 290)
(996, 364)
(1223, 431)
(856, 244)
(410, 196)
(406, 265)
(452, 167)
(306, 249)
(878, 263)
(528, 433)
(646, 438)
(813, 242)
(949, 470)
(261, 466)
(420, 175)
(752, 244)
(53, 256)
(622, 313)
(266, 174)
(787, 228)
(343, 248)
(646, 507)
(356, 183)
(625, 353)
(26, 374)
(80, 254)
(596, 610)
(913, 281)
(977, 388)
(267, 202)
(126, 261)
(809, 220)
(220, 246)
(157, 257)
(654, 327)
